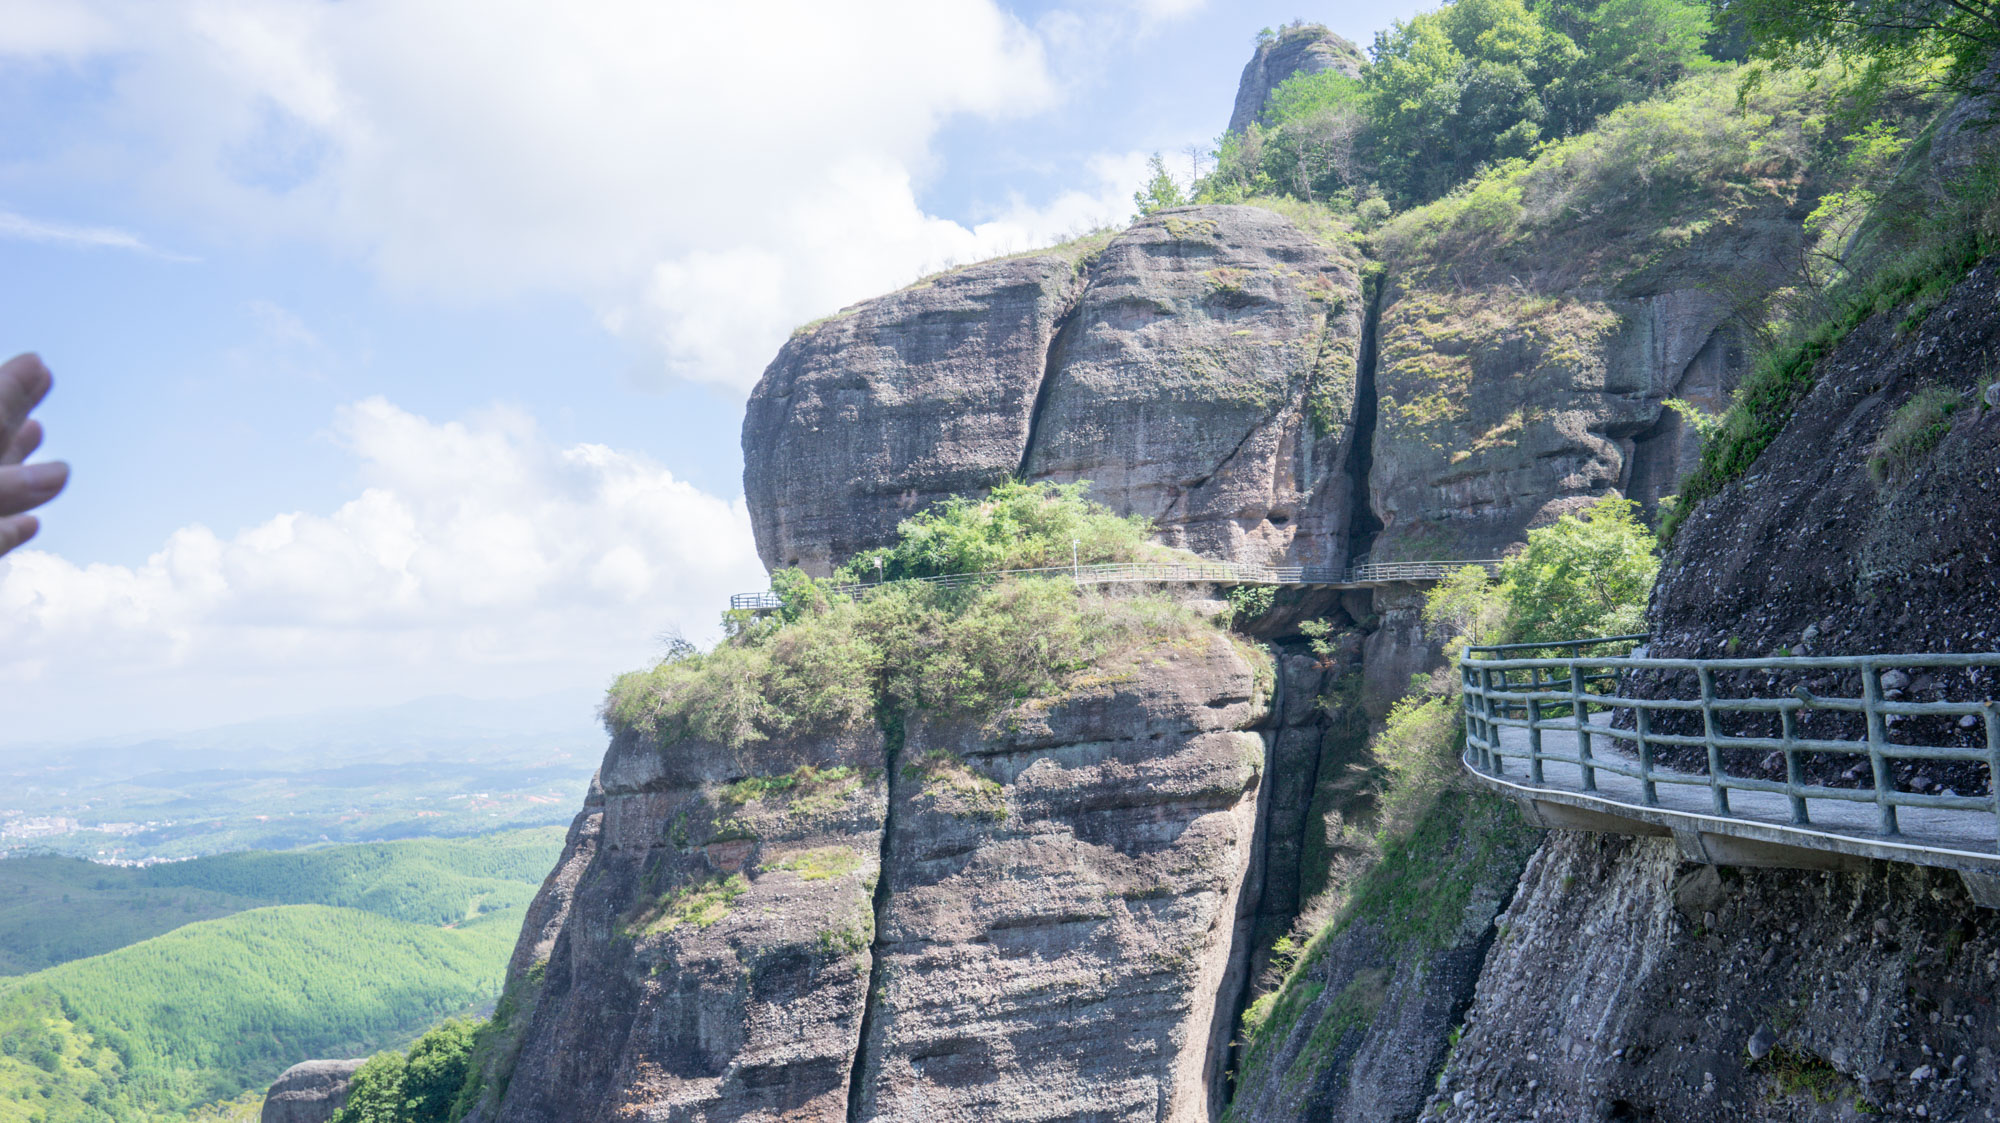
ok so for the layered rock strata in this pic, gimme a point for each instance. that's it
(1198, 368)
(1037, 918)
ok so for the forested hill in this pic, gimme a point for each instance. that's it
(182, 984)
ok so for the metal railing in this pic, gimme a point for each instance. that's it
(1505, 688)
(1191, 573)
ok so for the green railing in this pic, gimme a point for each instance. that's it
(1585, 698)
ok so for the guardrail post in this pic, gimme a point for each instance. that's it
(1582, 723)
(1878, 736)
(1642, 719)
(1718, 792)
(1795, 773)
(1993, 757)
(1535, 736)
(1496, 763)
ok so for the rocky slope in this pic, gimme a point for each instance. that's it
(1198, 368)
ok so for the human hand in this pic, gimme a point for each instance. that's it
(23, 487)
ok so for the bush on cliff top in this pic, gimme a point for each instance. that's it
(830, 662)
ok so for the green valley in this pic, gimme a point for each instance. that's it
(145, 993)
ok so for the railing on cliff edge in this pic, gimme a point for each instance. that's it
(1553, 718)
(1165, 573)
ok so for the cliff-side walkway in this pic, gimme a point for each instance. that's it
(1363, 576)
(1716, 754)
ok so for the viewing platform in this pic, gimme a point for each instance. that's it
(1363, 576)
(1570, 738)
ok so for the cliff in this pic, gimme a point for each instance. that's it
(1197, 368)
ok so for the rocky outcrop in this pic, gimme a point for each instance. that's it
(1630, 986)
(1041, 917)
(1304, 49)
(309, 1092)
(1198, 368)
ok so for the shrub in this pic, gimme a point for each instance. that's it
(1915, 429)
(414, 1087)
(1015, 526)
(832, 662)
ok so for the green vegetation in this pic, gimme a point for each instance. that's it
(700, 903)
(830, 662)
(1956, 37)
(1160, 191)
(418, 1086)
(1797, 1072)
(1582, 576)
(1913, 431)
(822, 864)
(212, 1008)
(53, 910)
(236, 967)
(1014, 526)
(1452, 91)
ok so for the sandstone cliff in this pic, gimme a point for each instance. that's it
(1303, 49)
(1041, 917)
(1198, 368)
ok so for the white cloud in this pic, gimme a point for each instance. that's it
(21, 228)
(479, 559)
(706, 176)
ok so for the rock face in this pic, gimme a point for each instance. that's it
(1307, 49)
(1199, 368)
(1039, 919)
(1630, 986)
(309, 1092)
(1502, 408)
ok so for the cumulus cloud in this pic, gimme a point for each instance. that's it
(706, 176)
(478, 559)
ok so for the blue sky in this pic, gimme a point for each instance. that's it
(353, 307)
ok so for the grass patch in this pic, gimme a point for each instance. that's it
(1800, 1072)
(822, 864)
(701, 903)
(957, 788)
(1915, 429)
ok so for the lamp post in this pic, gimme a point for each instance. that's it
(1075, 567)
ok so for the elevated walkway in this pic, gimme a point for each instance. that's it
(1571, 740)
(1363, 576)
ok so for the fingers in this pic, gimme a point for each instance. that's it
(27, 486)
(16, 530)
(27, 439)
(24, 381)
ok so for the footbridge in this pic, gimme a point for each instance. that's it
(1739, 761)
(1362, 576)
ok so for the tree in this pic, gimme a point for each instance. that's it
(1582, 576)
(1160, 192)
(1890, 34)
